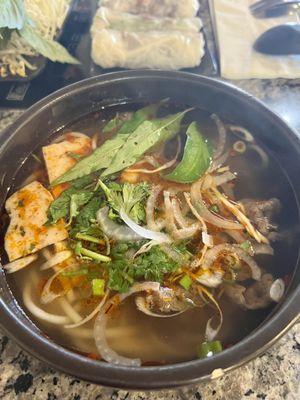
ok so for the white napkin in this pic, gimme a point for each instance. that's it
(237, 31)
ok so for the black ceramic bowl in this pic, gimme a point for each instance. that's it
(61, 108)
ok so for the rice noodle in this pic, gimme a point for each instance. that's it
(91, 315)
(69, 310)
(57, 258)
(38, 312)
(21, 263)
(222, 136)
(196, 198)
(106, 352)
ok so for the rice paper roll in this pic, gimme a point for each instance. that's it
(158, 8)
(106, 18)
(153, 49)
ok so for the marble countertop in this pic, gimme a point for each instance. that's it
(272, 376)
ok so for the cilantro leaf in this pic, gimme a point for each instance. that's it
(153, 266)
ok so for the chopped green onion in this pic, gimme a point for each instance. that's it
(245, 245)
(185, 282)
(214, 208)
(208, 349)
(78, 248)
(79, 272)
(98, 286)
(95, 256)
(87, 238)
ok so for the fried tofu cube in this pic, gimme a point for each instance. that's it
(27, 232)
(60, 157)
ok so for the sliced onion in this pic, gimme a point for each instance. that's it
(143, 232)
(218, 162)
(198, 203)
(106, 352)
(178, 214)
(277, 290)
(91, 315)
(210, 278)
(242, 133)
(141, 305)
(169, 216)
(47, 295)
(212, 254)
(262, 154)
(114, 230)
(57, 258)
(38, 312)
(207, 239)
(150, 207)
(186, 233)
(224, 178)
(222, 136)
(239, 147)
(167, 165)
(21, 263)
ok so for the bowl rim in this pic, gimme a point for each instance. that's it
(157, 377)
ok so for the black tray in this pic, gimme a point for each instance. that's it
(76, 38)
(38, 61)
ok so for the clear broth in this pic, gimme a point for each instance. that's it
(171, 340)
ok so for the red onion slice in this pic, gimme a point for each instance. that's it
(106, 352)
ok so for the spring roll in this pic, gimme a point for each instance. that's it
(106, 18)
(152, 49)
(158, 8)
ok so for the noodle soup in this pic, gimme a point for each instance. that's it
(140, 235)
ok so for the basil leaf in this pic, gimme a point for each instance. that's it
(196, 158)
(147, 135)
(5, 34)
(46, 47)
(103, 155)
(12, 14)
